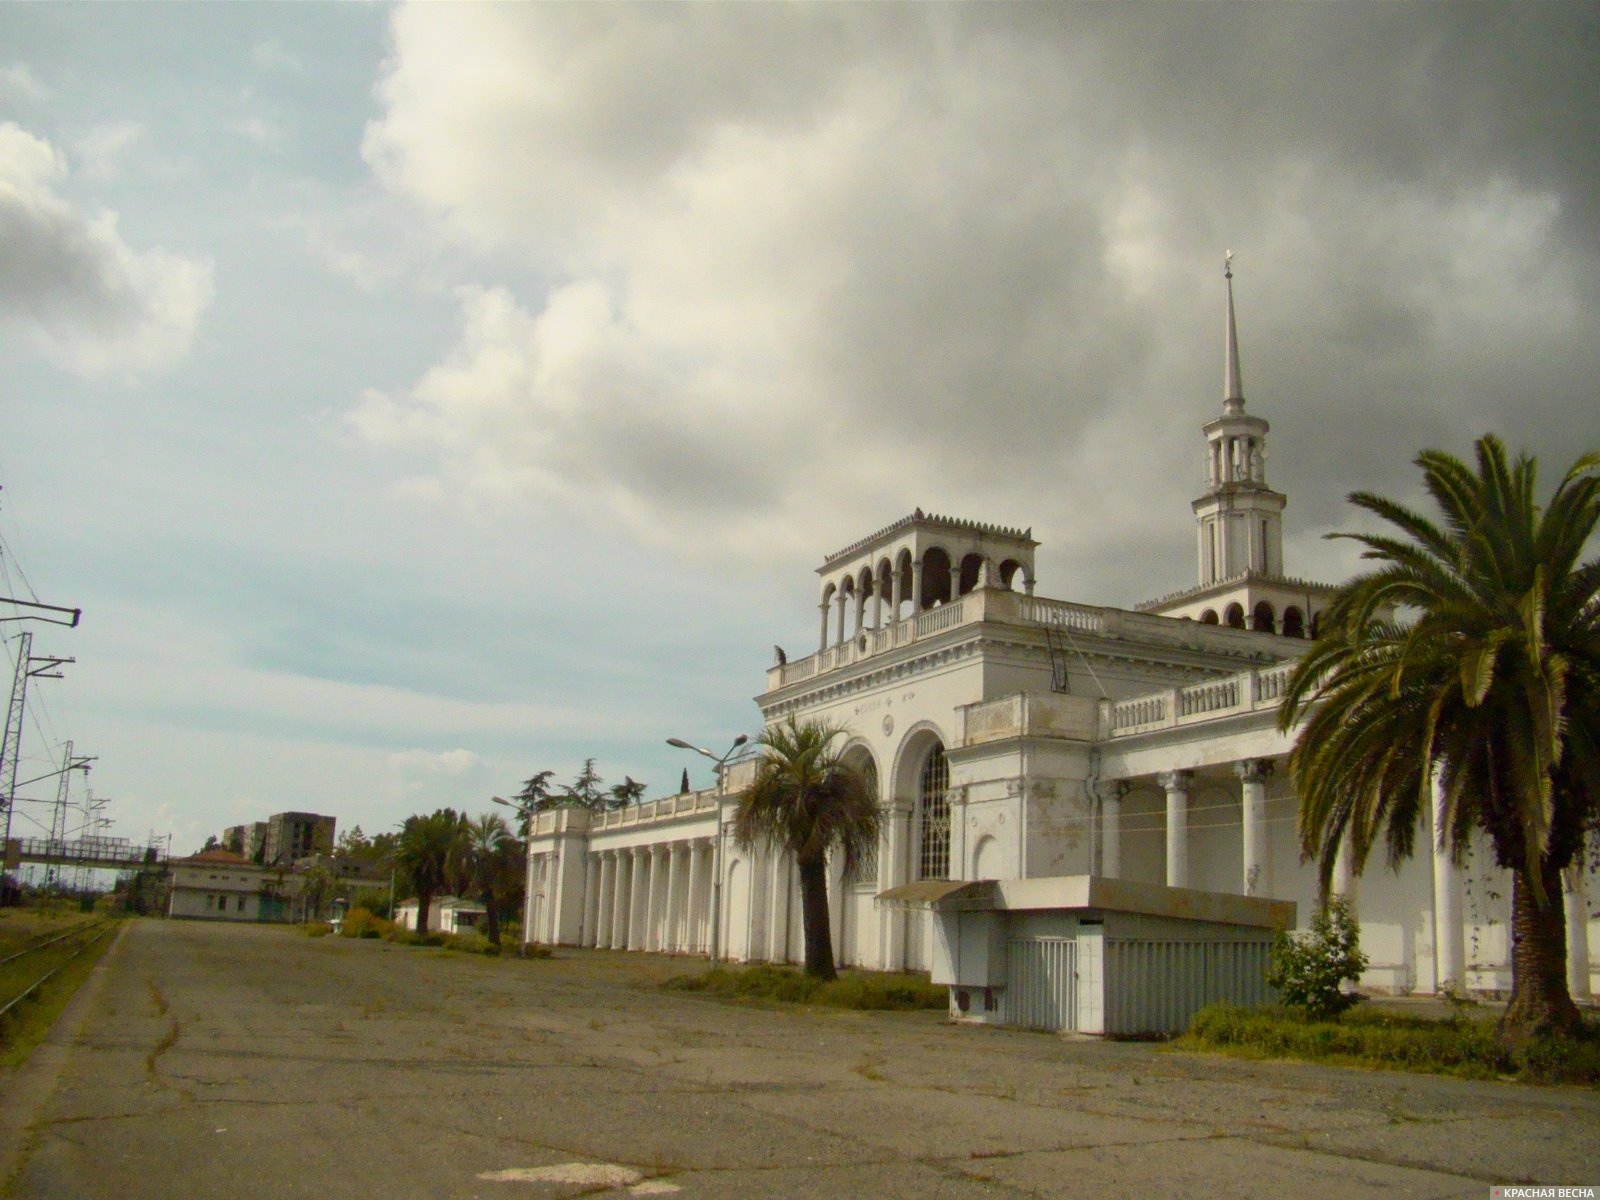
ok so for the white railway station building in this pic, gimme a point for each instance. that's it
(1019, 739)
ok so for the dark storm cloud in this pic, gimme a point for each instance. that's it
(973, 254)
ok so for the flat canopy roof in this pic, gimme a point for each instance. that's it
(1092, 893)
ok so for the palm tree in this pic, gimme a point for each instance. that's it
(498, 866)
(425, 855)
(806, 801)
(1487, 680)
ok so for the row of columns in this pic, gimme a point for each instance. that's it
(1450, 957)
(1256, 878)
(896, 598)
(656, 898)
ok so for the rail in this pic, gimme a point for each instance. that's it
(90, 933)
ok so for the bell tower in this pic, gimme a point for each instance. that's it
(1239, 524)
(1240, 518)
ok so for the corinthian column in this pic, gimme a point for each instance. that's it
(1253, 804)
(1177, 784)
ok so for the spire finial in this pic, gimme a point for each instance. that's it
(1233, 390)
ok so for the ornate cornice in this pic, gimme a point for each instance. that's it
(1233, 581)
(919, 517)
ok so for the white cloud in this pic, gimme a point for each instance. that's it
(270, 56)
(422, 771)
(19, 81)
(68, 278)
(263, 132)
(101, 153)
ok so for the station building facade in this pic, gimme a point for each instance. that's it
(1014, 737)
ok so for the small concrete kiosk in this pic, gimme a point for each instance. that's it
(1084, 954)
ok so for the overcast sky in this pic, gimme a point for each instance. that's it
(417, 397)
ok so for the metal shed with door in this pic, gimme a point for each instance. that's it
(1084, 954)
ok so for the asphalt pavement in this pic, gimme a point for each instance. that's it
(237, 1062)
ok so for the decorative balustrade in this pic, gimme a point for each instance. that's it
(1200, 701)
(1209, 697)
(1141, 710)
(869, 642)
(1274, 681)
(1246, 692)
(1062, 613)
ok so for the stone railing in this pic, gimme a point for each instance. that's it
(1247, 692)
(1016, 608)
(652, 811)
(1062, 613)
(1201, 698)
(870, 642)
(570, 819)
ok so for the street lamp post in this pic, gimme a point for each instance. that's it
(716, 870)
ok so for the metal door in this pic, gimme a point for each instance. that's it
(1041, 984)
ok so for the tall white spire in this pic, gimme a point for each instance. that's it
(1233, 390)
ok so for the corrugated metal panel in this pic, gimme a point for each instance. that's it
(1041, 984)
(1156, 986)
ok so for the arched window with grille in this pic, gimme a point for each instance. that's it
(933, 861)
(866, 873)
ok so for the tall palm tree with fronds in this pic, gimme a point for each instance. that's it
(1471, 654)
(426, 853)
(498, 863)
(806, 800)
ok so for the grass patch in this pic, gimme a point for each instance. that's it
(869, 991)
(1374, 1037)
(25, 1026)
(21, 927)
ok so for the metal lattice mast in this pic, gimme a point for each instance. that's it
(13, 738)
(58, 819)
(58, 823)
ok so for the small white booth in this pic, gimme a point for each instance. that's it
(1086, 954)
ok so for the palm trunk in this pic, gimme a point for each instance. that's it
(1540, 1003)
(424, 902)
(491, 917)
(819, 931)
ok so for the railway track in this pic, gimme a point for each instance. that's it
(23, 972)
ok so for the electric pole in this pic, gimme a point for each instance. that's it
(28, 667)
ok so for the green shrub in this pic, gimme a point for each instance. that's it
(853, 989)
(1375, 1037)
(316, 929)
(362, 923)
(470, 942)
(374, 900)
(1309, 970)
(1562, 1060)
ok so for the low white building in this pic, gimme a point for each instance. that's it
(219, 885)
(446, 914)
(1013, 737)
